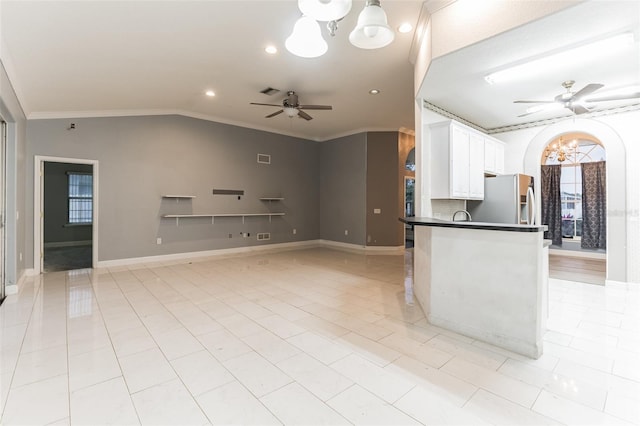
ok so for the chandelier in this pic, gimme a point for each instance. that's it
(559, 150)
(371, 32)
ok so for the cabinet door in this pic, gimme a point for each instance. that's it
(489, 156)
(459, 170)
(499, 158)
(476, 166)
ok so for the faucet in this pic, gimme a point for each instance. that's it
(468, 219)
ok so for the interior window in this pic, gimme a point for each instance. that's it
(80, 199)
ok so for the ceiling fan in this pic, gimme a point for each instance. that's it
(291, 107)
(576, 102)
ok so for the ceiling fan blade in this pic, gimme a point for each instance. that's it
(614, 97)
(586, 90)
(315, 107)
(578, 109)
(534, 102)
(304, 115)
(275, 105)
(274, 114)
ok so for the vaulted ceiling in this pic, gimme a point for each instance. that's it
(101, 58)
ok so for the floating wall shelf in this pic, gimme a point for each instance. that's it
(179, 197)
(272, 199)
(177, 217)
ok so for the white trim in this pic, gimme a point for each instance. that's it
(360, 249)
(38, 237)
(208, 253)
(576, 253)
(15, 288)
(46, 115)
(67, 244)
(354, 248)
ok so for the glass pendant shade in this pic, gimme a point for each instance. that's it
(306, 39)
(372, 30)
(325, 10)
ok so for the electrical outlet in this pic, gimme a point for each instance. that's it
(295, 231)
(346, 232)
(158, 240)
(376, 211)
(20, 257)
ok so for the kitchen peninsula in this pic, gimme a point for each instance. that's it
(487, 281)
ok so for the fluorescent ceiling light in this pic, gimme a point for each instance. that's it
(550, 61)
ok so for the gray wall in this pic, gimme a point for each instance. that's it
(141, 158)
(16, 189)
(383, 229)
(56, 191)
(343, 189)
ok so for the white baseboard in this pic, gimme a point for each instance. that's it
(354, 248)
(359, 249)
(208, 253)
(68, 244)
(575, 253)
(15, 288)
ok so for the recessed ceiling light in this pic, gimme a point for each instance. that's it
(405, 27)
(210, 93)
(374, 91)
(272, 50)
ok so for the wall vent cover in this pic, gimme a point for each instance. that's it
(264, 158)
(264, 236)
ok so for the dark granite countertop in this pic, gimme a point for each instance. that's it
(511, 227)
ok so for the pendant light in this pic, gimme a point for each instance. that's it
(306, 39)
(325, 10)
(372, 30)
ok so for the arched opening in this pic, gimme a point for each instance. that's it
(616, 253)
(573, 202)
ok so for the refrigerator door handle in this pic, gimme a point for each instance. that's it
(531, 207)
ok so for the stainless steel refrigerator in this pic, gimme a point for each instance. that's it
(507, 199)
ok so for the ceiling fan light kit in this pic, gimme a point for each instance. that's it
(371, 32)
(291, 107)
(325, 10)
(306, 39)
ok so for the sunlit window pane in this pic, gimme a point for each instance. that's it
(80, 198)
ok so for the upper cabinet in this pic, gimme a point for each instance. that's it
(493, 156)
(457, 161)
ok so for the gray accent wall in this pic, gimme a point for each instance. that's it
(142, 158)
(383, 190)
(343, 189)
(56, 209)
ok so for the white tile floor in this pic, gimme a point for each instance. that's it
(301, 337)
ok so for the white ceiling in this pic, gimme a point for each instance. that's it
(80, 58)
(97, 58)
(455, 82)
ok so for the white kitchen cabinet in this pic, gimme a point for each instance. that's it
(457, 161)
(493, 156)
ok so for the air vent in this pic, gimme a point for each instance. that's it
(264, 159)
(269, 91)
(264, 236)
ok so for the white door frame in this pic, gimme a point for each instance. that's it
(38, 202)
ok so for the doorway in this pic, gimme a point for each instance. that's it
(409, 208)
(65, 228)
